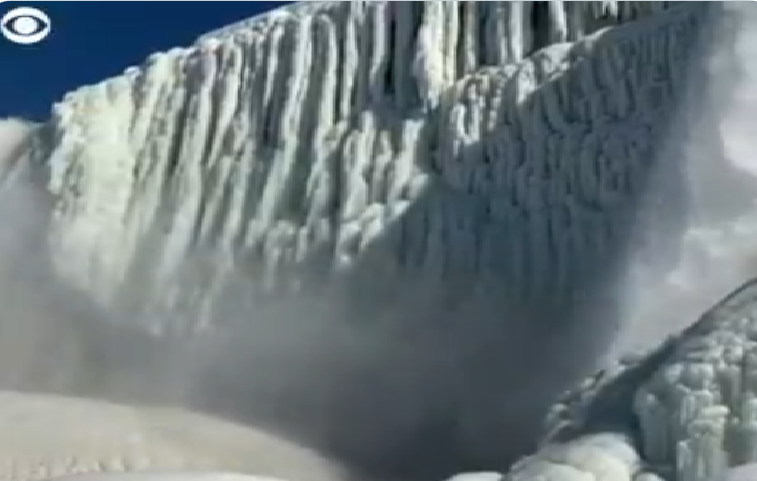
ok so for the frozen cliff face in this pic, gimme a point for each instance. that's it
(379, 213)
(321, 134)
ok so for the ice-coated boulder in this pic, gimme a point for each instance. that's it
(682, 412)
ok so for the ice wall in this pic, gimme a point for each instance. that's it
(316, 129)
(462, 180)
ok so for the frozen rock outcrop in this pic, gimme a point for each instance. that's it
(683, 412)
(452, 185)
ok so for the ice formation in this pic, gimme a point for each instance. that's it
(684, 411)
(333, 130)
(464, 176)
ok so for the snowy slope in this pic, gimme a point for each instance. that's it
(395, 207)
(47, 436)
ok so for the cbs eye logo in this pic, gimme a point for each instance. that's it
(25, 25)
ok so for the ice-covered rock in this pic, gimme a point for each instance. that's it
(682, 412)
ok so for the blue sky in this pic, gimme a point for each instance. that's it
(93, 40)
